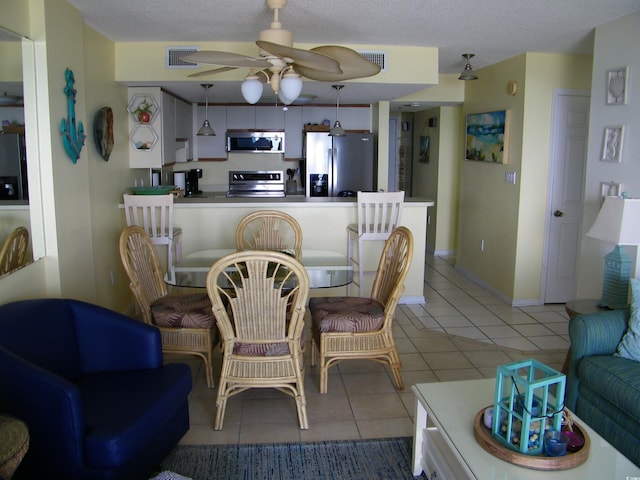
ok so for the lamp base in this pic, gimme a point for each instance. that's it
(615, 285)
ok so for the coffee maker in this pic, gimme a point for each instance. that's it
(191, 181)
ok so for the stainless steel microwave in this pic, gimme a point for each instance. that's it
(255, 141)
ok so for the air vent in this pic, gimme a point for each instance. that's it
(377, 57)
(174, 56)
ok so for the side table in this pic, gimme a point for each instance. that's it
(14, 443)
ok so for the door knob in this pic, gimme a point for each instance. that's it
(558, 213)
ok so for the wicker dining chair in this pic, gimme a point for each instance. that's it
(345, 328)
(186, 322)
(14, 250)
(269, 230)
(259, 301)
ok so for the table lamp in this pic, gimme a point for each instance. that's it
(618, 222)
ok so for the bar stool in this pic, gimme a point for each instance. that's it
(154, 213)
(379, 214)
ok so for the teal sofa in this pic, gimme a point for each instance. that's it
(603, 389)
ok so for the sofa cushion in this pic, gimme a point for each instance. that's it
(124, 411)
(183, 311)
(629, 346)
(346, 314)
(613, 378)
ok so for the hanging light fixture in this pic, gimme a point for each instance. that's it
(205, 129)
(337, 130)
(468, 73)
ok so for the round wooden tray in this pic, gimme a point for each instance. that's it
(485, 438)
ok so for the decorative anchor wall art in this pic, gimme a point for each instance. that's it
(73, 139)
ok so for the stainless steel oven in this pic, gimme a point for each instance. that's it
(256, 183)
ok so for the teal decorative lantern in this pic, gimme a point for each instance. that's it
(529, 399)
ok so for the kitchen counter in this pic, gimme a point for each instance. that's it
(209, 221)
(211, 199)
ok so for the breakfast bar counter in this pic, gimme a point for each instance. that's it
(209, 222)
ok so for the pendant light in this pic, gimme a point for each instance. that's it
(337, 130)
(468, 73)
(205, 129)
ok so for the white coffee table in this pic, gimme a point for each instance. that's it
(449, 448)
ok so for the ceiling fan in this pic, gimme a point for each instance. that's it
(281, 65)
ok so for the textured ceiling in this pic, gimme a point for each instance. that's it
(492, 29)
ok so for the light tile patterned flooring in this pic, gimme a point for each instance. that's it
(462, 332)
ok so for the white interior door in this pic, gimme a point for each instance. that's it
(568, 163)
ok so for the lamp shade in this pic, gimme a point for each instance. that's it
(337, 130)
(290, 87)
(206, 130)
(251, 89)
(618, 221)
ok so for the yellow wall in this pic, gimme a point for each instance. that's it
(76, 200)
(510, 218)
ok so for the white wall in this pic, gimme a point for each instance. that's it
(616, 45)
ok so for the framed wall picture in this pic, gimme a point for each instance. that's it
(487, 137)
(612, 144)
(424, 149)
(617, 81)
(610, 189)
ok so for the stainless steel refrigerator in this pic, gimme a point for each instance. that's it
(13, 167)
(339, 166)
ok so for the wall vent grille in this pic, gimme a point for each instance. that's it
(375, 56)
(174, 54)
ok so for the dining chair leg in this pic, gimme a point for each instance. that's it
(301, 404)
(396, 368)
(221, 406)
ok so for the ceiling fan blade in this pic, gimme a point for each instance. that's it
(225, 58)
(206, 73)
(353, 65)
(305, 58)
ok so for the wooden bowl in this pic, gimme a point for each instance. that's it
(485, 438)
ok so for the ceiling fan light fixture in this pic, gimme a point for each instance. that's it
(290, 87)
(251, 89)
(468, 73)
(206, 130)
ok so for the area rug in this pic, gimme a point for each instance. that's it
(378, 459)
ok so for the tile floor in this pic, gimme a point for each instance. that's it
(462, 332)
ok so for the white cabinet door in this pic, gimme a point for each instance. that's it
(184, 124)
(270, 117)
(168, 129)
(293, 133)
(211, 147)
(241, 117)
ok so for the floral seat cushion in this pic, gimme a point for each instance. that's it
(346, 314)
(183, 311)
(266, 349)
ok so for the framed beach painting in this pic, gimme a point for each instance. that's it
(487, 137)
(424, 150)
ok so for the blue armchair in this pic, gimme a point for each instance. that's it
(92, 388)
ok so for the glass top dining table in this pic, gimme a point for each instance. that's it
(326, 268)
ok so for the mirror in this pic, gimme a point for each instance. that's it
(15, 185)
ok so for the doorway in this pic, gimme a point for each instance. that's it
(570, 125)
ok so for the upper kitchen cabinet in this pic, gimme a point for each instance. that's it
(211, 148)
(351, 118)
(242, 117)
(155, 118)
(270, 117)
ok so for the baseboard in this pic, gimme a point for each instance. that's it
(491, 289)
(412, 300)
